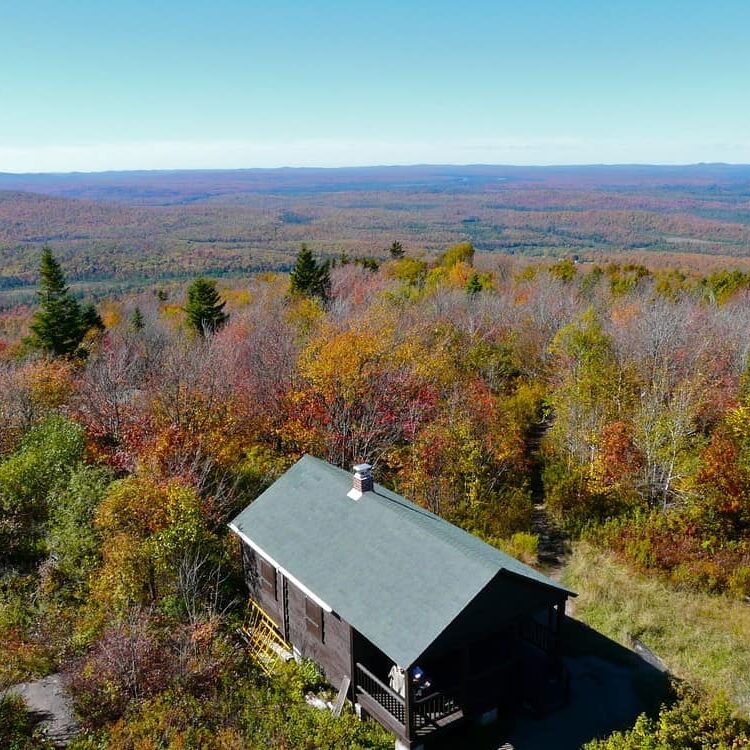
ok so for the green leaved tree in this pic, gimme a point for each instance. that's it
(205, 308)
(59, 324)
(463, 252)
(310, 278)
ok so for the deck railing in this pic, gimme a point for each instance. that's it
(428, 712)
(537, 635)
(389, 699)
(432, 709)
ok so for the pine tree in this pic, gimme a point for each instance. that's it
(310, 278)
(136, 320)
(474, 286)
(205, 308)
(397, 250)
(91, 319)
(58, 325)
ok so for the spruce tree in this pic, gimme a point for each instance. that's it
(91, 319)
(397, 250)
(308, 277)
(205, 308)
(58, 325)
(136, 320)
(474, 286)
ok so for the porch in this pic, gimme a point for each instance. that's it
(517, 665)
(426, 715)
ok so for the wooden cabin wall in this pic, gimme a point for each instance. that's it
(260, 594)
(371, 657)
(333, 653)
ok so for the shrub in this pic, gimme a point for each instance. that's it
(17, 731)
(739, 581)
(463, 252)
(699, 575)
(127, 663)
(408, 270)
(693, 723)
(565, 270)
(40, 466)
(23, 650)
(71, 535)
(521, 545)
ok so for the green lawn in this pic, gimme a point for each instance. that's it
(703, 639)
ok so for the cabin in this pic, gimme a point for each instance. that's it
(424, 625)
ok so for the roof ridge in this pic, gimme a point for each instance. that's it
(470, 545)
(361, 557)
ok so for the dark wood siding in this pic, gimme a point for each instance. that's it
(314, 621)
(328, 644)
(269, 578)
(260, 589)
(318, 635)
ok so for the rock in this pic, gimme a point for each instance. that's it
(49, 705)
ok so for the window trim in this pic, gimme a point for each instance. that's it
(301, 586)
(269, 578)
(314, 619)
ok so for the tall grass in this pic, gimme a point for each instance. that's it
(703, 639)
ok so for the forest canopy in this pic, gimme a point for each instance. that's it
(617, 394)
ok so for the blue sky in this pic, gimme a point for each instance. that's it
(90, 85)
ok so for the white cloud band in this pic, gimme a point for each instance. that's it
(233, 154)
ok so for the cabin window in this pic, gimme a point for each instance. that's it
(314, 619)
(268, 578)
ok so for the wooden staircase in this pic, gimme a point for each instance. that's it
(265, 643)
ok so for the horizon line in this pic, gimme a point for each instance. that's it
(416, 165)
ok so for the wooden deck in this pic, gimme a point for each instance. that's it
(428, 714)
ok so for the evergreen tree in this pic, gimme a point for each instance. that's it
(369, 263)
(397, 250)
(91, 318)
(205, 308)
(474, 286)
(310, 278)
(136, 320)
(58, 325)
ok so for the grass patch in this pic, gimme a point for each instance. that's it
(702, 638)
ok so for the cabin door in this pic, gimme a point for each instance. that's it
(285, 607)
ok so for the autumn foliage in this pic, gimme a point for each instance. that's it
(616, 395)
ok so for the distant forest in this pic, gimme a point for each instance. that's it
(162, 226)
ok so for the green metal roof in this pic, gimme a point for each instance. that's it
(394, 571)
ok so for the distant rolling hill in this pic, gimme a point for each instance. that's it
(122, 228)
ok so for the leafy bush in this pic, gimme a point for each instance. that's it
(39, 467)
(693, 723)
(150, 528)
(23, 651)
(72, 538)
(463, 252)
(521, 545)
(129, 662)
(680, 548)
(17, 731)
(239, 711)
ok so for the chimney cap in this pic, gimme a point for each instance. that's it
(362, 481)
